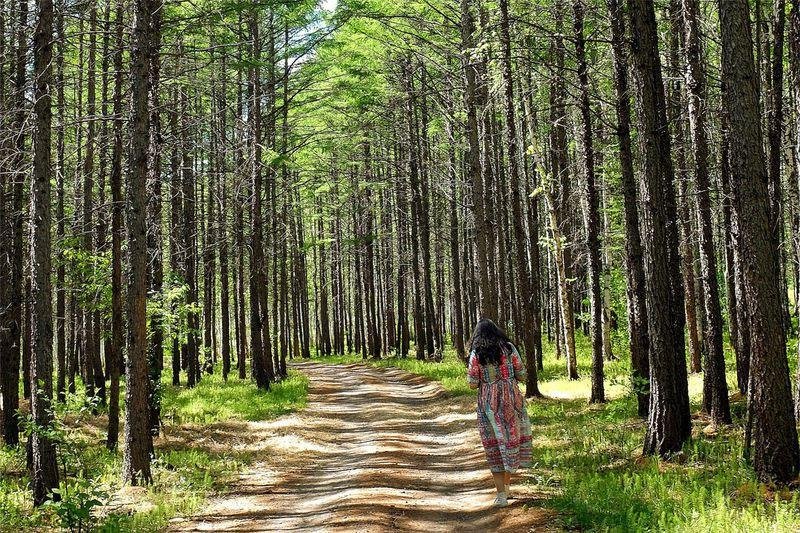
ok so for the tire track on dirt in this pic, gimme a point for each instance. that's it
(375, 450)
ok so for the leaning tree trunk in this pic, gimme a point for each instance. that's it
(715, 387)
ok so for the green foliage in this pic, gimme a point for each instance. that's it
(184, 472)
(215, 400)
(75, 504)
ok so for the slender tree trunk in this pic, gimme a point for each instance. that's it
(11, 329)
(45, 469)
(138, 439)
(61, 308)
(794, 62)
(176, 214)
(455, 254)
(114, 358)
(222, 193)
(155, 219)
(592, 209)
(558, 205)
(715, 387)
(488, 301)
(520, 238)
(257, 277)
(94, 369)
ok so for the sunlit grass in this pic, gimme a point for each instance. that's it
(215, 400)
(184, 475)
(588, 458)
(450, 372)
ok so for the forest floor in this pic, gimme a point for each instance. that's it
(376, 449)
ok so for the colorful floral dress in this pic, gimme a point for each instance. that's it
(502, 419)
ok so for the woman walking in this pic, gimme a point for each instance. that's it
(495, 367)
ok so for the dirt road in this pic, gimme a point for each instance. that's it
(375, 450)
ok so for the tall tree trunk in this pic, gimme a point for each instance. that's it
(488, 301)
(634, 265)
(114, 358)
(138, 440)
(222, 193)
(775, 123)
(777, 457)
(11, 329)
(432, 344)
(794, 62)
(45, 469)
(592, 217)
(94, 369)
(520, 238)
(669, 424)
(455, 254)
(61, 271)
(715, 387)
(558, 198)
(189, 240)
(155, 219)
(675, 104)
(257, 277)
(176, 214)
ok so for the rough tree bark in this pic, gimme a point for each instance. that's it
(715, 387)
(777, 457)
(520, 238)
(487, 295)
(592, 218)
(634, 265)
(114, 358)
(138, 440)
(669, 423)
(44, 467)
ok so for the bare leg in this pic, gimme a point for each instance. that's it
(499, 481)
(508, 478)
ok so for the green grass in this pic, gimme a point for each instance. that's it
(184, 473)
(588, 458)
(450, 372)
(214, 400)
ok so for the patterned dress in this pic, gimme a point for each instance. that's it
(502, 419)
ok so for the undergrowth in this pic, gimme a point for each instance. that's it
(587, 459)
(184, 473)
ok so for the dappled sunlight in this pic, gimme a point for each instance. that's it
(376, 449)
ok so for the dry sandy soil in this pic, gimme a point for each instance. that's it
(375, 450)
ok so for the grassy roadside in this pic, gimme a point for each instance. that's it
(185, 472)
(589, 459)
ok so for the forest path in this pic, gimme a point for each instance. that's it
(375, 450)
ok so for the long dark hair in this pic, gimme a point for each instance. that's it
(488, 342)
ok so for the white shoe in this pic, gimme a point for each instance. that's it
(501, 500)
